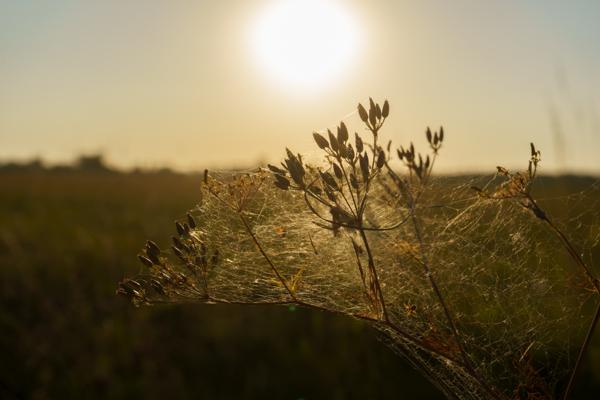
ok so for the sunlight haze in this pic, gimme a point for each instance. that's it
(202, 84)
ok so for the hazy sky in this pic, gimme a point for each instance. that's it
(179, 83)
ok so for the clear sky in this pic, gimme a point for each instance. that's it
(182, 84)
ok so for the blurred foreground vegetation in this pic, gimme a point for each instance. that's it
(68, 237)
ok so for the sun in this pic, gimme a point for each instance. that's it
(305, 44)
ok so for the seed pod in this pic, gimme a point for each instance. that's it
(362, 113)
(338, 171)
(441, 134)
(126, 290)
(359, 143)
(134, 284)
(342, 133)
(146, 261)
(157, 286)
(178, 253)
(378, 111)
(333, 141)
(428, 134)
(353, 181)
(364, 166)
(205, 176)
(329, 180)
(281, 182)
(178, 243)
(380, 159)
(289, 153)
(296, 170)
(276, 170)
(418, 170)
(152, 248)
(386, 109)
(539, 213)
(372, 116)
(180, 228)
(321, 141)
(153, 257)
(191, 221)
(343, 150)
(350, 153)
(532, 149)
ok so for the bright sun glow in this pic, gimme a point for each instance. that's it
(305, 43)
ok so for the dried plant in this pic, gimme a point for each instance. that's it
(473, 291)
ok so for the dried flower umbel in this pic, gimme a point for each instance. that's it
(517, 187)
(462, 286)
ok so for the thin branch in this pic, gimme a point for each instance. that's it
(266, 257)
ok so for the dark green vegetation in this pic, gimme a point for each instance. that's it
(65, 242)
(66, 239)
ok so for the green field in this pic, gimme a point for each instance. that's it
(67, 239)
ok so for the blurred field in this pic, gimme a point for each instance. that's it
(66, 239)
(65, 242)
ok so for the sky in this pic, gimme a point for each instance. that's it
(184, 84)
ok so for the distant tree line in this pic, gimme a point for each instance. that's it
(94, 163)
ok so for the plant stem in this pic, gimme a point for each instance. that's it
(266, 257)
(593, 280)
(373, 270)
(582, 351)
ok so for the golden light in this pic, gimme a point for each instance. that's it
(305, 44)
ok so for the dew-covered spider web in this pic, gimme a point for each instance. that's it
(520, 303)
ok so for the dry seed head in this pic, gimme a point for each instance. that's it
(338, 282)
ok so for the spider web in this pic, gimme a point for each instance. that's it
(519, 302)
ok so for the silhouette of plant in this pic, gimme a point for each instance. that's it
(473, 291)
